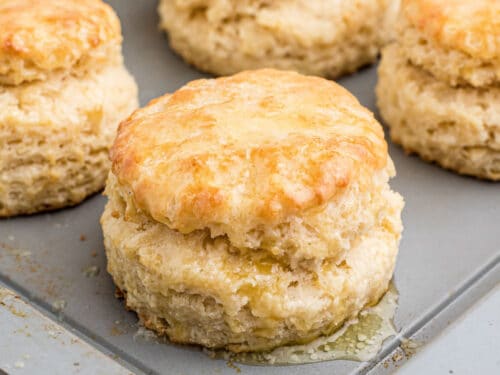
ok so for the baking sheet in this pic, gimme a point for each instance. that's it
(449, 256)
(30, 342)
(476, 333)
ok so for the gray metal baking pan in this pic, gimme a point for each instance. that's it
(449, 256)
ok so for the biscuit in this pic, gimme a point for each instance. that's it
(325, 38)
(40, 37)
(251, 211)
(459, 128)
(63, 91)
(457, 41)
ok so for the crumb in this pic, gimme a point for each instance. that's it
(119, 294)
(409, 347)
(93, 254)
(116, 331)
(233, 366)
(398, 356)
(59, 305)
(91, 271)
(82, 237)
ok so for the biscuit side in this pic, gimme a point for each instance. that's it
(459, 128)
(55, 137)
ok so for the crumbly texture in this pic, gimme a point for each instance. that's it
(457, 41)
(41, 37)
(55, 136)
(325, 38)
(246, 156)
(201, 290)
(457, 127)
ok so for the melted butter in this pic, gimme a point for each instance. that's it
(359, 340)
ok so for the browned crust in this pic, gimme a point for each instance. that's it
(257, 146)
(52, 34)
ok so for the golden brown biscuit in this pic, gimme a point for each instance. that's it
(39, 37)
(325, 38)
(251, 211)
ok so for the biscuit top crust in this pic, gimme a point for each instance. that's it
(469, 26)
(246, 150)
(52, 34)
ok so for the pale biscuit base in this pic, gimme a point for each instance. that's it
(459, 128)
(55, 136)
(319, 38)
(200, 290)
